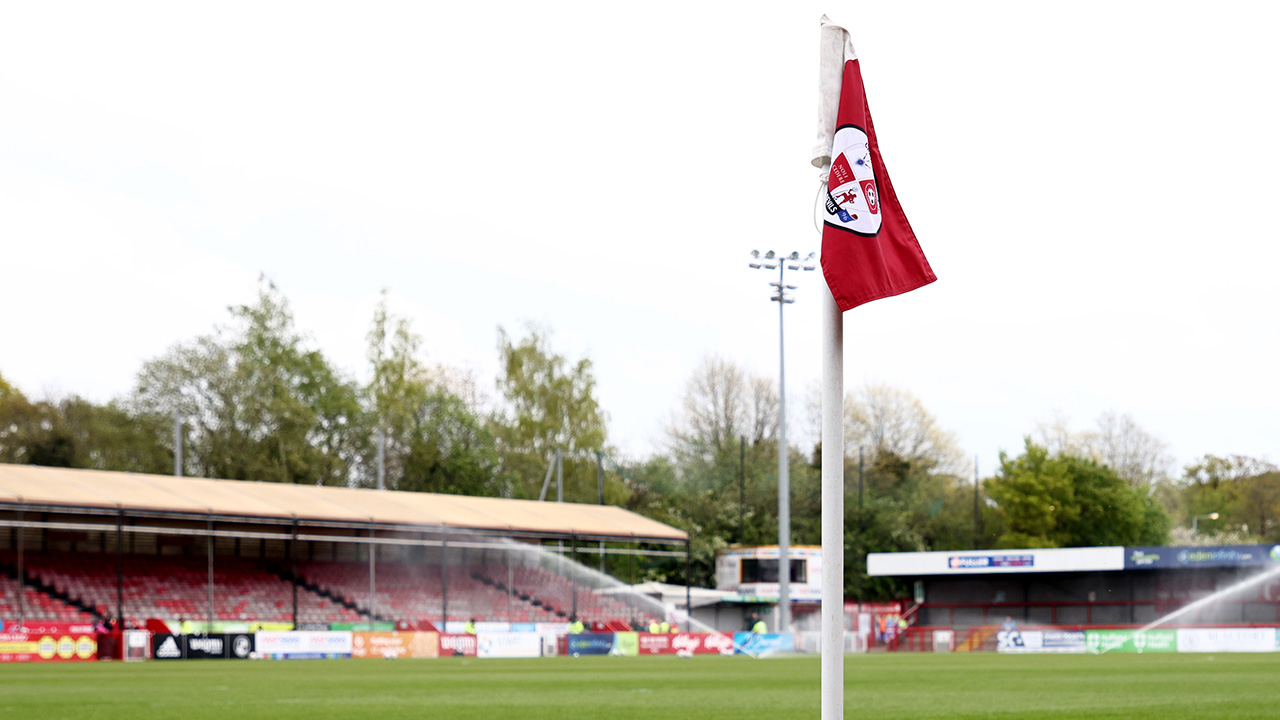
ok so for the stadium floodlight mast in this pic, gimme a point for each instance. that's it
(782, 263)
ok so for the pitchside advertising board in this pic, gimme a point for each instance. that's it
(233, 646)
(303, 645)
(1041, 641)
(44, 641)
(763, 643)
(395, 645)
(1099, 642)
(677, 644)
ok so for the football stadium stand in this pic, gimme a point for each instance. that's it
(79, 545)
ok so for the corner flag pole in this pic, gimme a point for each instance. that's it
(832, 51)
(832, 509)
(869, 252)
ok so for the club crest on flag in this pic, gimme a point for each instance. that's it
(853, 202)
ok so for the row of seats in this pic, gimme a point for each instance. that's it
(28, 602)
(171, 588)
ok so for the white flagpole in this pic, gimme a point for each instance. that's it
(832, 509)
(834, 49)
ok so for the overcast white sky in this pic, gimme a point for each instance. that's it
(1095, 185)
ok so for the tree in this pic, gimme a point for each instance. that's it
(74, 432)
(1117, 442)
(1066, 501)
(721, 405)
(262, 405)
(1259, 505)
(885, 419)
(396, 394)
(550, 405)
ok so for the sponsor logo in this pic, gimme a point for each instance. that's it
(47, 647)
(1222, 556)
(85, 647)
(241, 647)
(207, 645)
(987, 561)
(722, 644)
(169, 649)
(1140, 558)
(685, 641)
(464, 644)
(652, 643)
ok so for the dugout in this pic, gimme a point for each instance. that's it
(1103, 586)
(241, 531)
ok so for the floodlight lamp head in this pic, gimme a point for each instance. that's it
(770, 266)
(792, 267)
(810, 257)
(770, 255)
(754, 265)
(1213, 516)
(755, 253)
(794, 255)
(809, 267)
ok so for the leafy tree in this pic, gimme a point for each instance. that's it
(550, 405)
(1066, 501)
(1258, 505)
(74, 432)
(263, 405)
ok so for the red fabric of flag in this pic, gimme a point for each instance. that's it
(868, 249)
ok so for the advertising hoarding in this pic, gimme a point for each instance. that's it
(986, 562)
(626, 644)
(47, 641)
(395, 645)
(508, 645)
(763, 643)
(1041, 641)
(236, 646)
(303, 644)
(1216, 556)
(1130, 641)
(590, 644)
(1207, 640)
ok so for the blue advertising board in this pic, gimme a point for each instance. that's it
(762, 643)
(1211, 556)
(591, 644)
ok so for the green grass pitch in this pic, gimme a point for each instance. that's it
(914, 686)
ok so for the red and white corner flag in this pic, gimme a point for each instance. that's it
(868, 249)
(868, 252)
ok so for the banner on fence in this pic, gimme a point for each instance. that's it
(591, 644)
(508, 645)
(1205, 640)
(303, 644)
(41, 641)
(763, 643)
(395, 645)
(236, 646)
(1041, 641)
(1130, 641)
